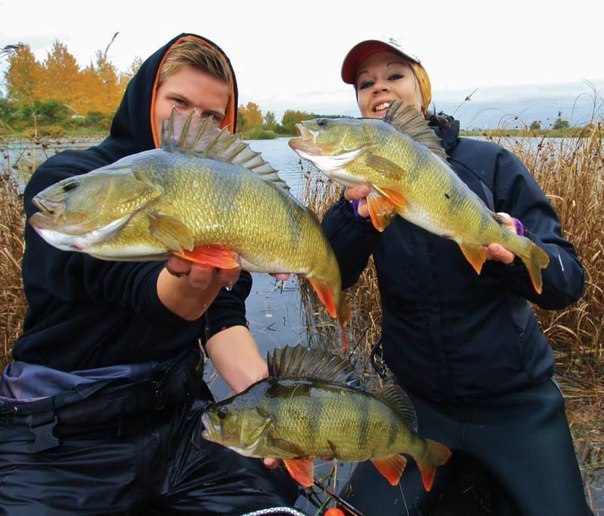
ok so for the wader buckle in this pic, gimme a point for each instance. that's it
(42, 426)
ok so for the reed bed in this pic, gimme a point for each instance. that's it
(12, 299)
(571, 173)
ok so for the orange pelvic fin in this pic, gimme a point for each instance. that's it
(475, 254)
(301, 470)
(382, 207)
(328, 299)
(436, 454)
(212, 256)
(391, 467)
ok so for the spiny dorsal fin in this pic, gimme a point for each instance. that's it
(189, 133)
(397, 398)
(301, 362)
(409, 120)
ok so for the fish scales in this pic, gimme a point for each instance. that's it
(204, 195)
(401, 159)
(297, 418)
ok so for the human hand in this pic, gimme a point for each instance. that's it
(270, 462)
(497, 252)
(358, 193)
(202, 276)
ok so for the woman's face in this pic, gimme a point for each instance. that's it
(382, 78)
(189, 89)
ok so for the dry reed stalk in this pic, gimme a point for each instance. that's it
(12, 299)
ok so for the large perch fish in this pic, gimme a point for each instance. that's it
(403, 161)
(202, 195)
(311, 405)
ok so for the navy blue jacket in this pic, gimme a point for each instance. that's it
(448, 333)
(87, 313)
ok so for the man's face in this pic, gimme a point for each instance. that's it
(189, 89)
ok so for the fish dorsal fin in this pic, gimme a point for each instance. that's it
(409, 120)
(302, 362)
(397, 398)
(189, 133)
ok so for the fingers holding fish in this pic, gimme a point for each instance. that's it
(357, 196)
(201, 276)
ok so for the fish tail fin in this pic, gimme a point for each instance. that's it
(390, 467)
(436, 455)
(534, 261)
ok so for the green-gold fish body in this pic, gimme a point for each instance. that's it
(203, 195)
(400, 157)
(298, 414)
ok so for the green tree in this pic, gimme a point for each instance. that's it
(270, 121)
(535, 125)
(560, 123)
(291, 118)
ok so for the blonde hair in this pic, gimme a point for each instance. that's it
(194, 53)
(423, 81)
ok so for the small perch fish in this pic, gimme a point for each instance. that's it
(311, 406)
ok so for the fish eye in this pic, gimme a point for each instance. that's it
(223, 412)
(70, 185)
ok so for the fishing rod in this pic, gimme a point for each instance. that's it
(341, 502)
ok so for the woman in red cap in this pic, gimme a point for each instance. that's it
(466, 347)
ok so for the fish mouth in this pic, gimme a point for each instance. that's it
(305, 141)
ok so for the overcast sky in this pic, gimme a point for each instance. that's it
(287, 54)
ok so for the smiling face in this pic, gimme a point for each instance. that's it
(188, 89)
(382, 78)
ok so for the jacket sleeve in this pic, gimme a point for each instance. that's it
(228, 309)
(516, 192)
(352, 239)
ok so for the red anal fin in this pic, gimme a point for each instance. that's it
(391, 467)
(301, 470)
(327, 298)
(211, 255)
(475, 254)
(325, 295)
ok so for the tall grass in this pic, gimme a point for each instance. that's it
(12, 300)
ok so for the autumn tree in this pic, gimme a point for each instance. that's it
(102, 84)
(62, 79)
(251, 116)
(23, 76)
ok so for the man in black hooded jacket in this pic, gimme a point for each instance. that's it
(100, 410)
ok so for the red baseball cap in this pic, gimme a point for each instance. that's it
(364, 49)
